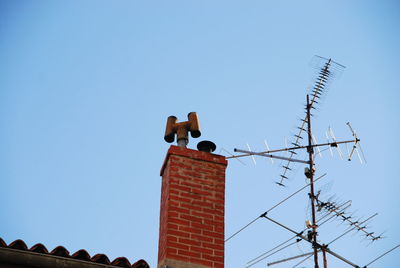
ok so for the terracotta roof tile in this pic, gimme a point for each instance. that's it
(140, 264)
(39, 248)
(18, 244)
(79, 255)
(121, 262)
(101, 258)
(60, 251)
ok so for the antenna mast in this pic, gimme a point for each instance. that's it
(310, 174)
(311, 171)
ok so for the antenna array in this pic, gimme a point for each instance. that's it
(328, 209)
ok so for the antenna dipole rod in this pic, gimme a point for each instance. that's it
(311, 167)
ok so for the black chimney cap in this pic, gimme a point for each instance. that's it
(206, 146)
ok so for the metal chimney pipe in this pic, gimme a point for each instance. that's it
(206, 146)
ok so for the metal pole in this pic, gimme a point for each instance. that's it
(312, 197)
(324, 256)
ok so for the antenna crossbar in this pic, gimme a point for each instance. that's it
(270, 156)
(265, 153)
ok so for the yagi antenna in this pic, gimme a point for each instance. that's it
(295, 150)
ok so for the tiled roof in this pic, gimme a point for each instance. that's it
(81, 254)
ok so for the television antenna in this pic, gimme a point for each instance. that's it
(331, 209)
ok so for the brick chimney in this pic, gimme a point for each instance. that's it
(192, 209)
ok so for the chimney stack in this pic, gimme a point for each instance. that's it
(192, 209)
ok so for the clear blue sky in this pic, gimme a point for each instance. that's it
(86, 87)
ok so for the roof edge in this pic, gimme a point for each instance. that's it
(45, 260)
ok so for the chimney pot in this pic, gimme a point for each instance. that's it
(206, 146)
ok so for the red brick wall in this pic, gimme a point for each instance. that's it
(192, 208)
